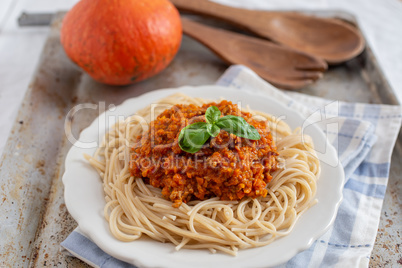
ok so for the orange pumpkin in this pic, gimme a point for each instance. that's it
(119, 42)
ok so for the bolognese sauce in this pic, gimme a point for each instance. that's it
(227, 166)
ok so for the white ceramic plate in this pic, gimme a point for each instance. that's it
(84, 195)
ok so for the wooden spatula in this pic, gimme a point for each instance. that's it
(284, 67)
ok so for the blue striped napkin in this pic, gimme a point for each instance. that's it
(366, 159)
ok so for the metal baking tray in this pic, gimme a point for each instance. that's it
(33, 216)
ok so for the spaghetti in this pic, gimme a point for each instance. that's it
(134, 208)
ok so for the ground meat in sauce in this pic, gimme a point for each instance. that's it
(227, 166)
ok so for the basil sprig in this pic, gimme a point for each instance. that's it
(194, 136)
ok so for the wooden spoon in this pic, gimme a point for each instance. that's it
(284, 67)
(330, 39)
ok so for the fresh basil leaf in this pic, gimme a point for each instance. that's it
(212, 114)
(198, 125)
(193, 137)
(238, 126)
(213, 130)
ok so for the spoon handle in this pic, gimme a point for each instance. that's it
(233, 15)
(212, 38)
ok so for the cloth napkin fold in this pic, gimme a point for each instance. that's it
(352, 128)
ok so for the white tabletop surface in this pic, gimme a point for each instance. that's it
(20, 48)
